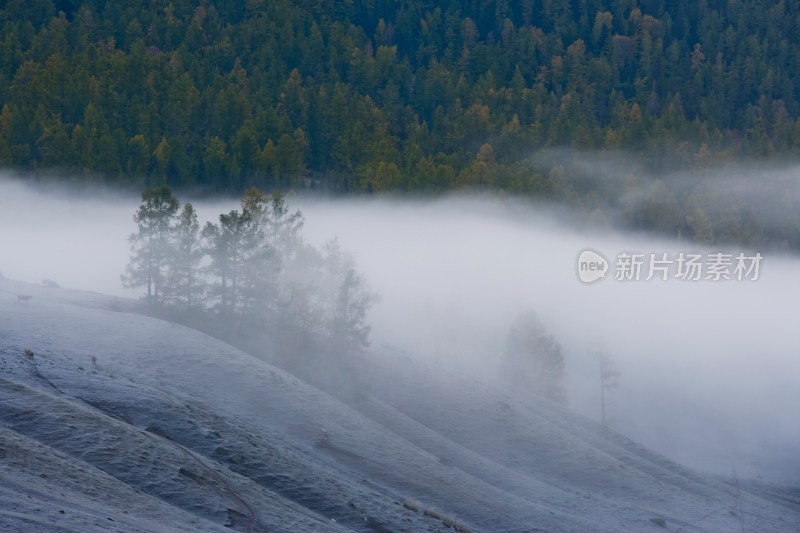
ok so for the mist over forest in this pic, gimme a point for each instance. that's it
(707, 368)
(399, 266)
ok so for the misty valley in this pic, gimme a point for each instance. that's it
(371, 266)
(301, 363)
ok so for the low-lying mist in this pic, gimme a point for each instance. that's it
(709, 369)
(709, 372)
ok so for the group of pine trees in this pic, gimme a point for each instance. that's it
(251, 274)
(247, 274)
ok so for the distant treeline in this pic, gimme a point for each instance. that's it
(248, 276)
(373, 95)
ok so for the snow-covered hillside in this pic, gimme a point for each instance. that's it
(112, 421)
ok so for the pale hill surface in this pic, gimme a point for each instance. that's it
(120, 422)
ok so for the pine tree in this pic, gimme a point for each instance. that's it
(186, 287)
(347, 329)
(225, 244)
(609, 376)
(259, 262)
(283, 228)
(151, 246)
(533, 358)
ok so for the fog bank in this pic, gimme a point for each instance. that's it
(709, 370)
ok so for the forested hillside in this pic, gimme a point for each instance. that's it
(368, 95)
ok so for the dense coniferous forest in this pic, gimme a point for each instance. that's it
(360, 96)
(370, 95)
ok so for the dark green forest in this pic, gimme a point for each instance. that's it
(369, 95)
(360, 96)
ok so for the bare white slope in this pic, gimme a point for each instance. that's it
(120, 422)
